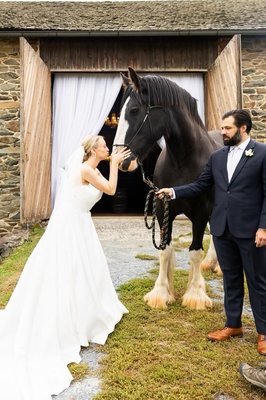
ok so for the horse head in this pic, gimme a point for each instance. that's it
(142, 119)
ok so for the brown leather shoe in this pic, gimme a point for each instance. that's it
(262, 344)
(225, 333)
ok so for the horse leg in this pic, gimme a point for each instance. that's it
(210, 261)
(196, 296)
(163, 291)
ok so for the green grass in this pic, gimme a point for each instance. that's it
(12, 266)
(164, 354)
(79, 371)
(146, 257)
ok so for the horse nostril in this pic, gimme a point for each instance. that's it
(122, 167)
(125, 164)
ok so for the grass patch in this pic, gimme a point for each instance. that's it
(164, 354)
(11, 267)
(146, 257)
(79, 371)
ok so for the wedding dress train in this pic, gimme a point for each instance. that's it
(64, 299)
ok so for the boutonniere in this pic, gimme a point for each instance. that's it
(249, 153)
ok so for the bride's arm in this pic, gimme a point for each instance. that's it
(93, 176)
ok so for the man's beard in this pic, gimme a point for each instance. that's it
(234, 140)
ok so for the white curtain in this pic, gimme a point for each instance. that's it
(81, 103)
(192, 83)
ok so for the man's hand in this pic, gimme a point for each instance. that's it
(164, 192)
(260, 238)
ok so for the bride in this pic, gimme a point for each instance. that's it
(65, 297)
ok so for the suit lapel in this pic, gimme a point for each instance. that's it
(242, 161)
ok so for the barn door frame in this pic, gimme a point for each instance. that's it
(36, 120)
(223, 86)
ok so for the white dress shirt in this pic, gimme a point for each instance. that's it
(234, 155)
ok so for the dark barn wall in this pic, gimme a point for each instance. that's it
(145, 54)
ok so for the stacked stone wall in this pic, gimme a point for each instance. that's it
(9, 136)
(254, 83)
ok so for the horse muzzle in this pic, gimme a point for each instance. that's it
(129, 165)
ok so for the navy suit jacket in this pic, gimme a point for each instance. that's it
(242, 202)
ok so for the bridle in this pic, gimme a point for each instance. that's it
(128, 145)
(165, 227)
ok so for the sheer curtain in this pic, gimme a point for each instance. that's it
(193, 83)
(81, 102)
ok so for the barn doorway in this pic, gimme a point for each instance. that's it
(40, 68)
(81, 103)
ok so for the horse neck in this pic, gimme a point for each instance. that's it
(188, 137)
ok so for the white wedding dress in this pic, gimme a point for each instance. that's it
(64, 299)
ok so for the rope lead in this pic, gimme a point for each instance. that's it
(165, 226)
(164, 230)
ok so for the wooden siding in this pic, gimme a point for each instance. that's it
(223, 84)
(35, 135)
(145, 54)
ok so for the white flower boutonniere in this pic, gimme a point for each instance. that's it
(249, 153)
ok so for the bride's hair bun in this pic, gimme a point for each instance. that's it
(89, 143)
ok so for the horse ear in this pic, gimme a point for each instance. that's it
(135, 79)
(126, 80)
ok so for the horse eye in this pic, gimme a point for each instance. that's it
(134, 110)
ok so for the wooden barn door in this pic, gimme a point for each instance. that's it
(35, 135)
(223, 84)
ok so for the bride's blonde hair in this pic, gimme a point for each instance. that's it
(90, 143)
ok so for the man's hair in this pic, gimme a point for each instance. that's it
(241, 117)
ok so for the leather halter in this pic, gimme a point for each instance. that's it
(147, 116)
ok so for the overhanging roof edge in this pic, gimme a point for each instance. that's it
(64, 33)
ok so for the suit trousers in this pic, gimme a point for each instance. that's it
(236, 257)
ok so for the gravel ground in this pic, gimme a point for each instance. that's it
(122, 239)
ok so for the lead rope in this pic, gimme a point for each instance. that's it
(164, 230)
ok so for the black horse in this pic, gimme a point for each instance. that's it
(154, 107)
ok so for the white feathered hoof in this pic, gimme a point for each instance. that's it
(196, 299)
(159, 298)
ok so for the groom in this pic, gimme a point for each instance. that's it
(238, 221)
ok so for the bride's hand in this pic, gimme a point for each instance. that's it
(118, 156)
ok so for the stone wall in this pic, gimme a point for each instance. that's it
(9, 136)
(254, 83)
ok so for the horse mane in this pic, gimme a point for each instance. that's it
(166, 93)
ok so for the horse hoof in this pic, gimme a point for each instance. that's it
(156, 300)
(199, 302)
